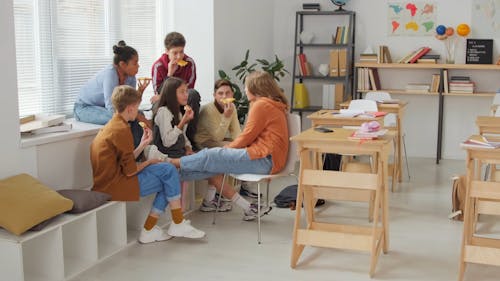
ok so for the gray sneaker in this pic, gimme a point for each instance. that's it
(212, 206)
(252, 213)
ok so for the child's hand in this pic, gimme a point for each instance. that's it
(189, 114)
(172, 67)
(228, 109)
(155, 161)
(147, 136)
(143, 84)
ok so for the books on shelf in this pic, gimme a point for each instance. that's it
(384, 56)
(304, 66)
(368, 58)
(445, 80)
(426, 60)
(341, 35)
(333, 95)
(334, 62)
(368, 79)
(480, 142)
(435, 83)
(413, 56)
(343, 62)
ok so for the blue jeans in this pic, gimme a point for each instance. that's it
(209, 162)
(162, 179)
(92, 114)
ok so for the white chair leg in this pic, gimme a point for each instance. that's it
(258, 213)
(267, 193)
(219, 199)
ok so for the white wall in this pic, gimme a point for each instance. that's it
(195, 20)
(240, 25)
(9, 117)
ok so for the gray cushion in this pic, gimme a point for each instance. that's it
(84, 200)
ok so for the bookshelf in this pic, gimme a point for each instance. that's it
(440, 94)
(324, 25)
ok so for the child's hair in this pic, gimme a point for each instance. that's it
(124, 96)
(174, 39)
(123, 52)
(222, 82)
(168, 98)
(262, 84)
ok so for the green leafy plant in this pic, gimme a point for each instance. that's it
(276, 68)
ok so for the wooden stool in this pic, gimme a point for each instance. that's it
(483, 197)
(316, 183)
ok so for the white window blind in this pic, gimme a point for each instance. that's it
(60, 44)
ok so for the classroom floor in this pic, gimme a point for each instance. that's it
(424, 243)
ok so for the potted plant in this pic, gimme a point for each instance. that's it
(276, 68)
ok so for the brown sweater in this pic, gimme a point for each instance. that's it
(112, 157)
(265, 132)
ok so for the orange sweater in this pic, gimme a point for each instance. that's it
(265, 133)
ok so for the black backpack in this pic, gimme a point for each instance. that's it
(287, 198)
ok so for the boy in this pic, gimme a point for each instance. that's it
(177, 64)
(115, 171)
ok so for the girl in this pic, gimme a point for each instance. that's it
(170, 125)
(94, 104)
(261, 148)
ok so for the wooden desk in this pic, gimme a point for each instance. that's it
(488, 124)
(482, 197)
(317, 183)
(398, 109)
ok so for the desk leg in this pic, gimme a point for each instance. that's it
(468, 217)
(385, 198)
(398, 146)
(296, 248)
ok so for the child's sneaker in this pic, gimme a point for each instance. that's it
(211, 206)
(185, 229)
(152, 152)
(245, 191)
(153, 235)
(223, 199)
(252, 213)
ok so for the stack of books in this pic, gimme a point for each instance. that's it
(418, 88)
(368, 58)
(368, 79)
(461, 84)
(429, 58)
(41, 124)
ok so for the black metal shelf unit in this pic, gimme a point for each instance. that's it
(300, 47)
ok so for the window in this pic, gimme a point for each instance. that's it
(60, 44)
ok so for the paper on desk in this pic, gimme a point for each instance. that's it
(349, 113)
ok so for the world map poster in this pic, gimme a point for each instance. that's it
(411, 18)
(485, 19)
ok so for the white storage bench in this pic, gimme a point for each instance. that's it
(69, 245)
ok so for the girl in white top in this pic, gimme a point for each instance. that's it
(171, 119)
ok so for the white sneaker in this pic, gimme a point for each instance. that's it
(152, 152)
(153, 235)
(185, 229)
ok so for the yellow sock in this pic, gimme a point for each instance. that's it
(177, 215)
(150, 222)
